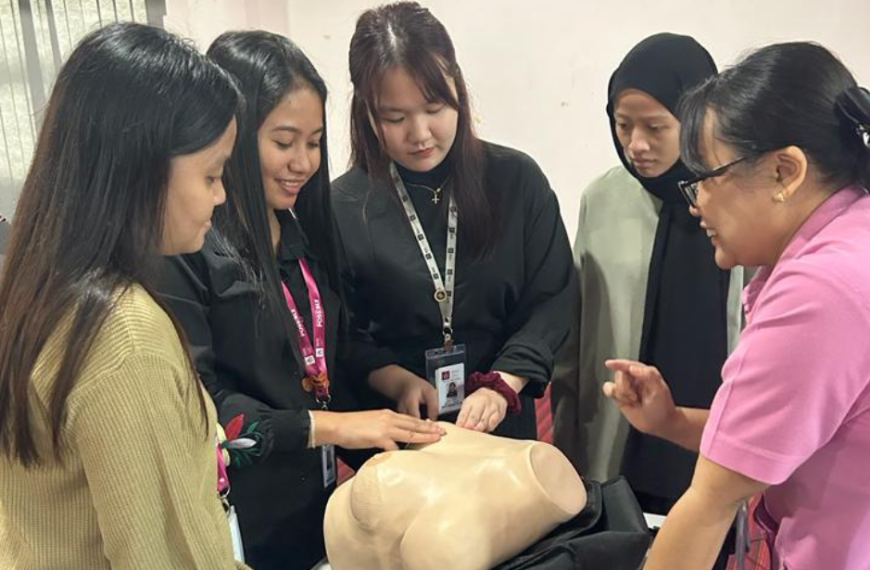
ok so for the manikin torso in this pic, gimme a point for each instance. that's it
(468, 502)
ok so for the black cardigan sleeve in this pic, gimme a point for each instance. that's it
(254, 429)
(541, 320)
(361, 354)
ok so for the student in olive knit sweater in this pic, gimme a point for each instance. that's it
(107, 439)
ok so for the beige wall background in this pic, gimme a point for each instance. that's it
(538, 71)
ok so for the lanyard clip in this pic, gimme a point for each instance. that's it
(448, 337)
(324, 400)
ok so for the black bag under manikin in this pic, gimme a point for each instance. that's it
(610, 533)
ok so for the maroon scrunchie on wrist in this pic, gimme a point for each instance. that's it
(496, 383)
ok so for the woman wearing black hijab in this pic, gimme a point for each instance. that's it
(649, 283)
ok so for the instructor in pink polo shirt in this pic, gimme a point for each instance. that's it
(782, 142)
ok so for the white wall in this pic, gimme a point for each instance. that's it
(204, 20)
(538, 71)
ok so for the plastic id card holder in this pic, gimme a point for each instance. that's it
(236, 534)
(445, 369)
(327, 460)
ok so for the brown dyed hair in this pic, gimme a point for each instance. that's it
(406, 35)
(89, 222)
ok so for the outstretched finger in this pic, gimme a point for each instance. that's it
(611, 390)
(468, 407)
(482, 424)
(621, 364)
(626, 389)
(411, 436)
(495, 418)
(489, 408)
(417, 425)
(644, 373)
(470, 414)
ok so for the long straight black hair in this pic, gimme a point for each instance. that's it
(407, 36)
(267, 68)
(90, 219)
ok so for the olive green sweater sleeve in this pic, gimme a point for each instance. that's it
(144, 454)
(135, 485)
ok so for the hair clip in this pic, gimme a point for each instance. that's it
(864, 133)
(854, 105)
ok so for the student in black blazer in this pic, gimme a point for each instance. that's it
(261, 312)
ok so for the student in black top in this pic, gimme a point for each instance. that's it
(271, 253)
(513, 296)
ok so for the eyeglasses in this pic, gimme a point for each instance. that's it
(689, 188)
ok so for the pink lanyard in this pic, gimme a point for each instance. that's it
(314, 355)
(223, 480)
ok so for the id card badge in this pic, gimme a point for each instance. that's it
(236, 534)
(327, 457)
(445, 369)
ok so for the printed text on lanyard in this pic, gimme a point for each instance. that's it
(317, 378)
(443, 287)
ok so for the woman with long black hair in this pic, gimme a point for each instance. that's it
(458, 265)
(107, 437)
(261, 310)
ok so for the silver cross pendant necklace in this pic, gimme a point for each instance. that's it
(436, 192)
